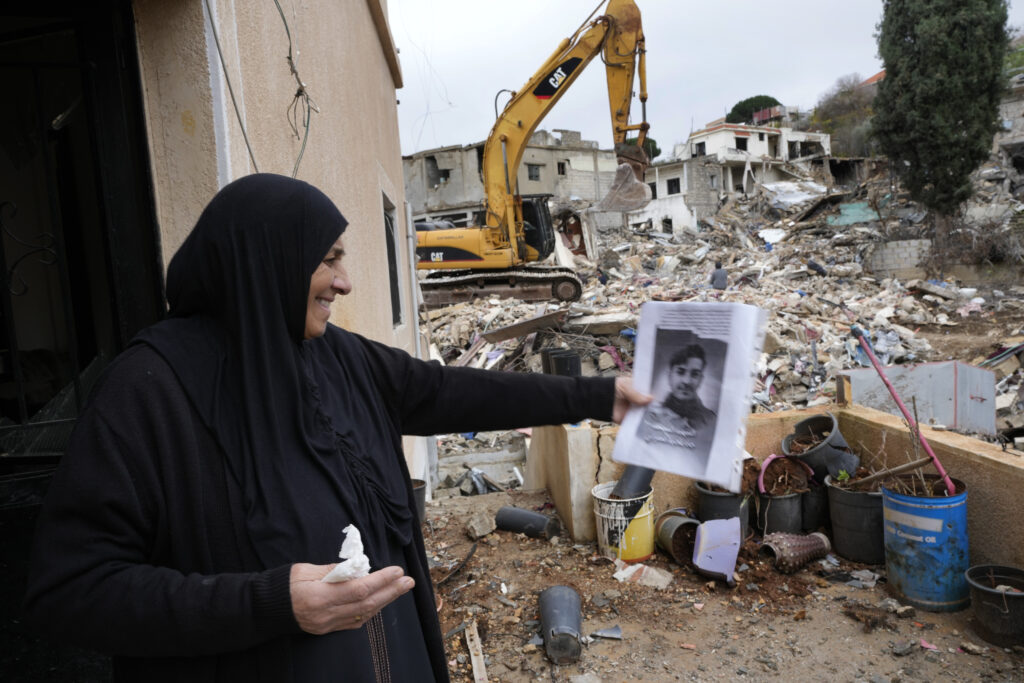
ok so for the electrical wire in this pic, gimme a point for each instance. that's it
(301, 99)
(234, 102)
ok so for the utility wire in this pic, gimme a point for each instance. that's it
(301, 100)
(224, 68)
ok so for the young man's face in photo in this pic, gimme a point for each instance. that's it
(685, 378)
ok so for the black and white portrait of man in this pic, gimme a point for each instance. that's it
(690, 384)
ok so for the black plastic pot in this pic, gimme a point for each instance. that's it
(998, 614)
(857, 531)
(827, 458)
(779, 513)
(814, 504)
(634, 482)
(560, 623)
(565, 362)
(529, 522)
(722, 505)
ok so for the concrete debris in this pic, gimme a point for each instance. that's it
(791, 249)
(480, 525)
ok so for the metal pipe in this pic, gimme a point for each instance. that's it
(864, 344)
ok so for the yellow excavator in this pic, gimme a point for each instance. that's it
(517, 230)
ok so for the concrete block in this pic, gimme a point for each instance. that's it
(563, 458)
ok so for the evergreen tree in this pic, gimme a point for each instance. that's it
(844, 112)
(743, 111)
(651, 148)
(937, 108)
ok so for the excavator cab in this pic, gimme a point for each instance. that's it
(538, 229)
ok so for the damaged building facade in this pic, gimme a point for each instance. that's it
(726, 160)
(446, 183)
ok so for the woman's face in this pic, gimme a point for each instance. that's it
(328, 280)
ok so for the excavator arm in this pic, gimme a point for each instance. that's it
(494, 258)
(617, 35)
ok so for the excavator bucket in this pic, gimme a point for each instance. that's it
(628, 191)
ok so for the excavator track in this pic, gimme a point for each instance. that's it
(527, 284)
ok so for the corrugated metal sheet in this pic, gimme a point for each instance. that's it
(954, 394)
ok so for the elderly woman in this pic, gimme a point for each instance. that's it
(207, 484)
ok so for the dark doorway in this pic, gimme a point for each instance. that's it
(79, 249)
(79, 242)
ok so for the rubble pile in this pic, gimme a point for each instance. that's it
(794, 250)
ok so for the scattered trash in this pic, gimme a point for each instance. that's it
(716, 548)
(642, 574)
(611, 633)
(863, 578)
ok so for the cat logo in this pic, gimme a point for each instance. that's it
(556, 78)
(549, 84)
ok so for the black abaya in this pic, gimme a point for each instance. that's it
(222, 448)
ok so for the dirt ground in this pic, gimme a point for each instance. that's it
(805, 626)
(974, 337)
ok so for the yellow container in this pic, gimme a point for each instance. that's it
(625, 527)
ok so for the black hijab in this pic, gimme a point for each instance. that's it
(238, 291)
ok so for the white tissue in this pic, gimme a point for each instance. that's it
(355, 563)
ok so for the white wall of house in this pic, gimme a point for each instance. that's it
(726, 141)
(671, 181)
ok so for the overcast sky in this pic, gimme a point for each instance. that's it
(702, 58)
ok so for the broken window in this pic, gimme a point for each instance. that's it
(561, 168)
(533, 171)
(654, 190)
(672, 186)
(811, 147)
(760, 137)
(435, 175)
(392, 249)
(741, 144)
(713, 179)
(698, 149)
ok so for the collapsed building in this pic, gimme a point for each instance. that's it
(723, 161)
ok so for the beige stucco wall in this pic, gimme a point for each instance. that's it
(352, 154)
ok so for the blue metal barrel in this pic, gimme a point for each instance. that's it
(926, 546)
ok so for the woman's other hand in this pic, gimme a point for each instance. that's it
(325, 607)
(626, 396)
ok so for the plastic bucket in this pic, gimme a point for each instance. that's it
(926, 547)
(856, 516)
(722, 505)
(998, 608)
(625, 527)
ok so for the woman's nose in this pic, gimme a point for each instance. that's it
(342, 284)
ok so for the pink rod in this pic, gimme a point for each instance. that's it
(950, 489)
